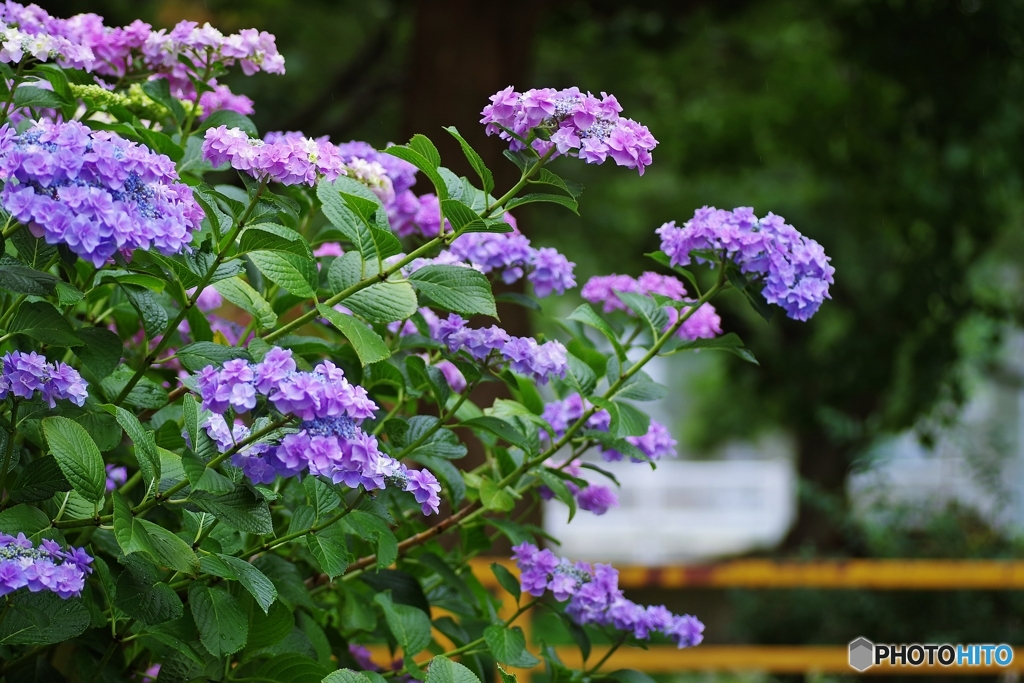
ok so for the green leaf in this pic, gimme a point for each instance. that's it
(68, 294)
(383, 302)
(347, 204)
(30, 96)
(506, 677)
(509, 582)
(474, 159)
(252, 579)
(152, 314)
(495, 498)
(130, 535)
(297, 274)
(346, 676)
(567, 202)
(77, 455)
(582, 378)
(159, 91)
(367, 344)
(501, 429)
(454, 288)
(145, 394)
(330, 551)
(42, 322)
(508, 645)
(632, 422)
(559, 488)
(145, 444)
(645, 307)
(423, 164)
(586, 315)
(173, 552)
(730, 342)
(368, 526)
(546, 177)
(198, 355)
(420, 373)
(142, 597)
(462, 218)
(42, 618)
(40, 479)
(32, 251)
(100, 350)
(422, 144)
(270, 628)
(241, 294)
(644, 389)
(230, 119)
(321, 496)
(223, 627)
(239, 509)
(410, 626)
(20, 279)
(444, 670)
(270, 237)
(291, 667)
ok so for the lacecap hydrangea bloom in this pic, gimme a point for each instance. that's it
(594, 597)
(46, 567)
(704, 323)
(24, 374)
(289, 159)
(328, 442)
(794, 269)
(94, 191)
(575, 123)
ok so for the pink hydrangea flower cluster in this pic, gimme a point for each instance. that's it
(575, 123)
(287, 159)
(704, 323)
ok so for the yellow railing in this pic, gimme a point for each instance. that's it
(834, 574)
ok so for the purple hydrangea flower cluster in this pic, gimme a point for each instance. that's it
(46, 567)
(510, 254)
(704, 323)
(329, 442)
(32, 32)
(656, 444)
(94, 191)
(794, 268)
(116, 476)
(576, 123)
(594, 597)
(23, 374)
(222, 99)
(524, 355)
(286, 158)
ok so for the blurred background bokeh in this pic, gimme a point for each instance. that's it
(891, 131)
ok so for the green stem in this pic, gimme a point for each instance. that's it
(176, 323)
(109, 652)
(607, 655)
(520, 185)
(436, 426)
(15, 82)
(10, 447)
(399, 401)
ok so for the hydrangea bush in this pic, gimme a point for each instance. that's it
(238, 374)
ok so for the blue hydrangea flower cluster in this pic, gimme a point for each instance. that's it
(602, 289)
(23, 374)
(524, 355)
(595, 597)
(510, 254)
(328, 443)
(576, 124)
(46, 567)
(94, 191)
(794, 268)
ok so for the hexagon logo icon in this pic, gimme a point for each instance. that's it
(862, 654)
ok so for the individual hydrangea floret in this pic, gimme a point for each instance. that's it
(594, 597)
(116, 476)
(46, 567)
(576, 123)
(425, 489)
(94, 191)
(794, 269)
(23, 374)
